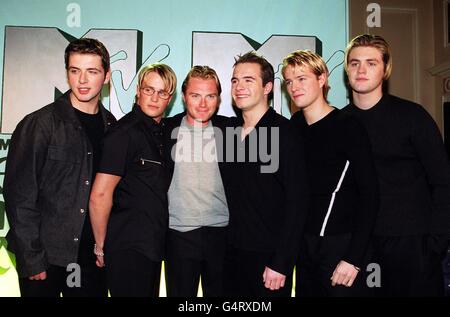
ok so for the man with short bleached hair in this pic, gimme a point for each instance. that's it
(129, 197)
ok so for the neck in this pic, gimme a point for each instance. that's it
(367, 101)
(90, 107)
(317, 111)
(253, 115)
(196, 123)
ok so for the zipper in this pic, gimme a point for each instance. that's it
(149, 161)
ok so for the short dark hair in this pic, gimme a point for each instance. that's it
(88, 46)
(267, 72)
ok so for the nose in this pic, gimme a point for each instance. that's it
(83, 78)
(155, 96)
(238, 85)
(361, 68)
(202, 103)
(295, 85)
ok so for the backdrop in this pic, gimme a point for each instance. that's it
(34, 34)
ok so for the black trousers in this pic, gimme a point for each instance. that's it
(317, 260)
(244, 275)
(410, 266)
(93, 283)
(192, 254)
(132, 274)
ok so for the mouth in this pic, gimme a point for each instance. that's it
(240, 96)
(361, 79)
(83, 91)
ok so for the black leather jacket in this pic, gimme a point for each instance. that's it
(47, 186)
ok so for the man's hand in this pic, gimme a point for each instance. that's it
(98, 251)
(39, 277)
(272, 279)
(344, 274)
(100, 261)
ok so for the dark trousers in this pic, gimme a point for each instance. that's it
(132, 274)
(93, 283)
(317, 261)
(192, 254)
(244, 275)
(410, 266)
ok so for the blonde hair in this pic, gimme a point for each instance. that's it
(312, 60)
(376, 41)
(203, 72)
(167, 75)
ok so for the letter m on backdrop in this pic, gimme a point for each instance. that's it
(218, 51)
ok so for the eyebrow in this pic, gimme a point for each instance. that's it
(369, 60)
(245, 77)
(91, 68)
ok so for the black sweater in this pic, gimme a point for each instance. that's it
(412, 167)
(267, 210)
(343, 181)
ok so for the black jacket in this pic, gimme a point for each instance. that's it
(268, 209)
(47, 186)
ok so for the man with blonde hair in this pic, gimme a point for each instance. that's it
(129, 197)
(198, 209)
(342, 180)
(413, 224)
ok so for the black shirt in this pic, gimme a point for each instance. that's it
(139, 216)
(343, 180)
(93, 126)
(267, 210)
(94, 129)
(412, 168)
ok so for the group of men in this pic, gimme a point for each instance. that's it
(234, 202)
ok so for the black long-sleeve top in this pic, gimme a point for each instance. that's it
(412, 167)
(267, 209)
(343, 181)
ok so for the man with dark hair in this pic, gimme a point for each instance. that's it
(53, 156)
(198, 210)
(266, 188)
(413, 224)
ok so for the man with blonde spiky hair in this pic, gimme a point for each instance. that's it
(343, 185)
(128, 202)
(413, 224)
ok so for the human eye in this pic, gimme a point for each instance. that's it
(288, 82)
(163, 94)
(148, 90)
